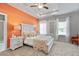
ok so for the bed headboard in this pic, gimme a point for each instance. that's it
(27, 28)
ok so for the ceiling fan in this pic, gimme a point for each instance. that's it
(38, 5)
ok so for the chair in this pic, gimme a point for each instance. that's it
(75, 40)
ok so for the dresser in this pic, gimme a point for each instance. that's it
(16, 42)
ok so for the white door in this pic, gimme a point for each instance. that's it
(1, 35)
(3, 32)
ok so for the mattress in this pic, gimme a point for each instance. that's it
(45, 38)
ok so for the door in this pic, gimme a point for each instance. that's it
(1, 35)
(3, 32)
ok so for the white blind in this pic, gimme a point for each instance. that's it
(43, 27)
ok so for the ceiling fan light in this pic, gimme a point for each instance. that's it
(40, 6)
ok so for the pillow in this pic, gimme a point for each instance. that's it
(29, 34)
(17, 32)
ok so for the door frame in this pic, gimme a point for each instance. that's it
(5, 32)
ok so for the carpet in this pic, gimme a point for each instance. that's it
(1, 44)
(58, 49)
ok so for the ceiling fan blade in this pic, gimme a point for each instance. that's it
(33, 5)
(44, 3)
(45, 7)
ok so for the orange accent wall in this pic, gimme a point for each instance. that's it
(16, 17)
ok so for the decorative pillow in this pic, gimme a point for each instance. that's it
(29, 34)
(17, 32)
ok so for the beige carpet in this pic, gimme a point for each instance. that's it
(58, 49)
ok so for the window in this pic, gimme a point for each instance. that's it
(62, 28)
(43, 28)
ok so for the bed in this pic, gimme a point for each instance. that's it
(28, 32)
(39, 42)
(43, 43)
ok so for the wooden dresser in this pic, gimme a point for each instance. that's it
(75, 40)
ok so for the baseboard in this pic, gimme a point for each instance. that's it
(8, 49)
(4, 50)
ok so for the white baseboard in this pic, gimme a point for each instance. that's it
(4, 49)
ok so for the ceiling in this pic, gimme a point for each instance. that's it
(54, 9)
